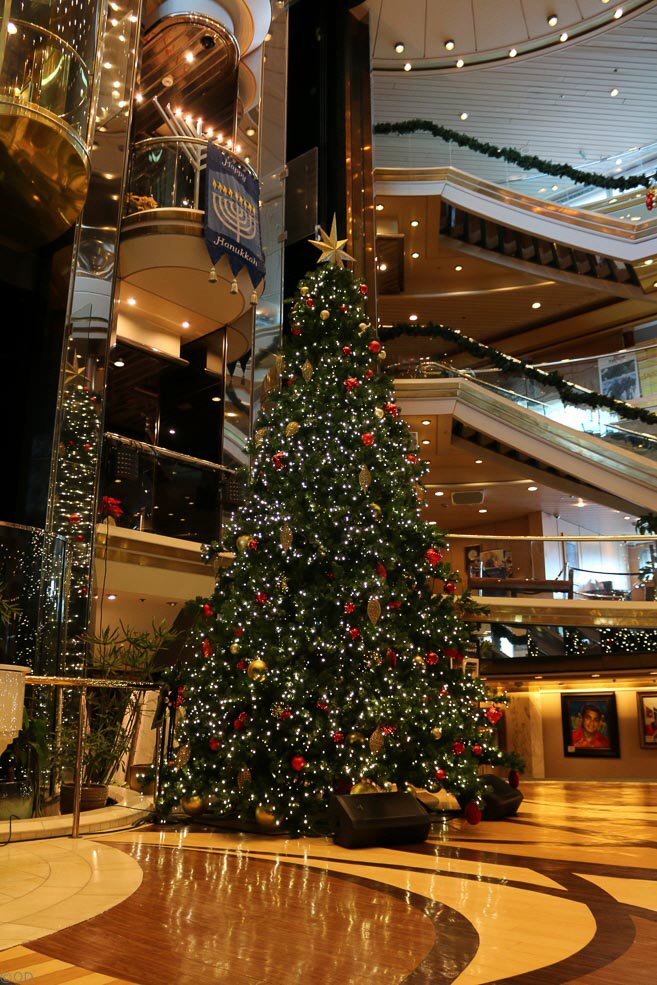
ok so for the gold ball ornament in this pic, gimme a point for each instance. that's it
(437, 733)
(304, 290)
(234, 648)
(363, 327)
(193, 805)
(257, 669)
(418, 660)
(378, 411)
(376, 510)
(265, 818)
(364, 786)
(325, 315)
(242, 542)
(383, 354)
(354, 737)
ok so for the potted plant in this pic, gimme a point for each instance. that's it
(112, 714)
(19, 788)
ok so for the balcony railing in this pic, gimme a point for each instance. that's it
(168, 173)
(145, 487)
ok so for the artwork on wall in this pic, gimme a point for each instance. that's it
(489, 562)
(471, 667)
(590, 725)
(619, 377)
(647, 713)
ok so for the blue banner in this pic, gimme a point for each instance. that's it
(232, 213)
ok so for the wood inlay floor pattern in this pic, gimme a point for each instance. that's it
(468, 907)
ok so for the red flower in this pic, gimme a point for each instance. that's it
(351, 384)
(369, 374)
(238, 631)
(433, 556)
(453, 654)
(214, 744)
(323, 705)
(206, 648)
(388, 729)
(310, 303)
(412, 459)
(367, 438)
(431, 658)
(349, 607)
(110, 507)
(391, 657)
(261, 598)
(338, 737)
(354, 633)
(392, 409)
(363, 289)
(394, 605)
(493, 714)
(278, 459)
(253, 544)
(238, 724)
(458, 747)
(381, 570)
(241, 665)
(286, 713)
(440, 774)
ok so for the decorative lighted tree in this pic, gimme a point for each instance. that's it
(323, 662)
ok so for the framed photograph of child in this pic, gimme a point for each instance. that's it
(590, 725)
(647, 714)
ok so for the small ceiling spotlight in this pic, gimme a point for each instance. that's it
(464, 116)
(415, 223)
(563, 36)
(613, 92)
(513, 52)
(449, 45)
(407, 67)
(536, 304)
(460, 63)
(553, 20)
(399, 47)
(618, 13)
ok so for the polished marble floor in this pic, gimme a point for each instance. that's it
(566, 892)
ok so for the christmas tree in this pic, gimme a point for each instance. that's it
(323, 662)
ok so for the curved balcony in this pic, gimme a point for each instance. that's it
(163, 252)
(45, 91)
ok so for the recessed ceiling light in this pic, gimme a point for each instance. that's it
(618, 13)
(399, 47)
(655, 284)
(383, 266)
(555, 187)
(464, 116)
(513, 52)
(479, 461)
(185, 324)
(536, 304)
(426, 423)
(426, 441)
(415, 255)
(379, 208)
(581, 504)
(553, 20)
(105, 64)
(172, 430)
(613, 92)
(119, 363)
(483, 511)
(415, 222)
(626, 517)
(563, 36)
(189, 56)
(458, 267)
(131, 301)
(216, 400)
(439, 493)
(412, 317)
(648, 262)
(111, 596)
(11, 28)
(460, 63)
(532, 488)
(407, 67)
(449, 45)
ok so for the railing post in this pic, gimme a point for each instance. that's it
(77, 778)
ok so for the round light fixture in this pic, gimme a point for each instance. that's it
(399, 47)
(449, 45)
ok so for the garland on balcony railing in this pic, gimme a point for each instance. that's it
(528, 162)
(570, 393)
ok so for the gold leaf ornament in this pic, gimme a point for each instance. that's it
(307, 370)
(291, 428)
(260, 436)
(374, 611)
(182, 755)
(378, 411)
(279, 362)
(286, 537)
(364, 478)
(377, 740)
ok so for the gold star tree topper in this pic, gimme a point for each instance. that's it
(330, 246)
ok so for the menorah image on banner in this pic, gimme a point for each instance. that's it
(235, 217)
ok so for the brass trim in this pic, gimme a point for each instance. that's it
(565, 612)
(31, 111)
(158, 222)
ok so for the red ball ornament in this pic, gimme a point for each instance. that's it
(79, 538)
(440, 774)
(432, 556)
(477, 750)
(354, 633)
(374, 346)
(412, 459)
(295, 330)
(238, 631)
(391, 409)
(338, 737)
(514, 779)
(261, 598)
(323, 705)
(472, 813)
(206, 648)
(381, 570)
(74, 518)
(71, 443)
(458, 747)
(253, 544)
(241, 665)
(286, 713)
(238, 724)
(346, 350)
(449, 588)
(349, 607)
(394, 605)
(351, 384)
(367, 438)
(391, 657)
(493, 714)
(369, 374)
(86, 446)
(207, 609)
(363, 288)
(343, 308)
(214, 744)
(431, 658)
(297, 763)
(310, 303)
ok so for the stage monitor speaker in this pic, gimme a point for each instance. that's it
(362, 820)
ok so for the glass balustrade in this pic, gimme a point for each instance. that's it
(148, 488)
(42, 70)
(619, 379)
(500, 642)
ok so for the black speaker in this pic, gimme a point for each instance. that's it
(365, 819)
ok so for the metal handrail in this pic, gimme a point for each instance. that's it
(83, 683)
(158, 452)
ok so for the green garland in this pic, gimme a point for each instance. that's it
(528, 162)
(569, 392)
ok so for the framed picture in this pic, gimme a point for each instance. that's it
(471, 667)
(619, 376)
(590, 725)
(647, 712)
